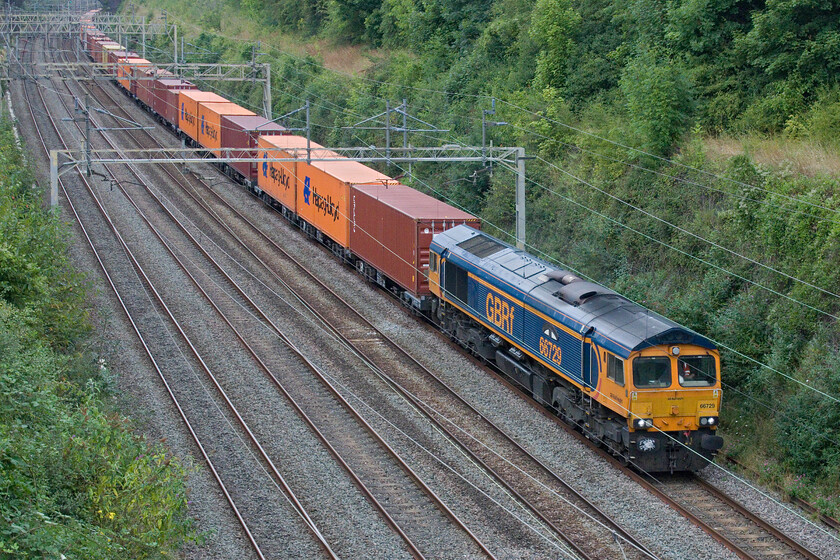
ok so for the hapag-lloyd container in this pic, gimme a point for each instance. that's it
(279, 178)
(165, 97)
(391, 228)
(188, 101)
(243, 131)
(323, 190)
(210, 123)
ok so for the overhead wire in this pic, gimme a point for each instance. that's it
(344, 110)
(723, 469)
(512, 105)
(770, 368)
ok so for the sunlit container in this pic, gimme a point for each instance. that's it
(108, 48)
(188, 101)
(322, 191)
(124, 72)
(210, 123)
(243, 131)
(391, 228)
(165, 97)
(279, 178)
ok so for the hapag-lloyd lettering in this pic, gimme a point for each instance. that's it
(211, 131)
(279, 176)
(325, 204)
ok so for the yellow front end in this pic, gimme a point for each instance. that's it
(677, 388)
(674, 407)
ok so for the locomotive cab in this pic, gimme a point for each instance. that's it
(675, 401)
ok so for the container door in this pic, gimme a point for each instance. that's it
(593, 367)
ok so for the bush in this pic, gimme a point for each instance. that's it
(74, 480)
(658, 97)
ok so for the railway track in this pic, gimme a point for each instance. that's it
(540, 496)
(515, 472)
(221, 391)
(399, 488)
(543, 494)
(101, 248)
(407, 512)
(737, 528)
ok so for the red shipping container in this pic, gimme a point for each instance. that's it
(391, 228)
(142, 83)
(165, 97)
(90, 41)
(114, 56)
(242, 131)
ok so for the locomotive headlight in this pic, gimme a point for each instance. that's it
(708, 420)
(642, 423)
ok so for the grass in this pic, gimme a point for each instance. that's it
(237, 25)
(777, 153)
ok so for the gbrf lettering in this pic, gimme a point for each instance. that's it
(499, 312)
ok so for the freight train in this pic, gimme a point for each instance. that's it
(641, 386)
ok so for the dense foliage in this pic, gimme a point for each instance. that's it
(620, 101)
(75, 482)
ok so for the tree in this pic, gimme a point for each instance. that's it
(658, 97)
(553, 23)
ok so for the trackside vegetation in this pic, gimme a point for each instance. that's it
(75, 480)
(686, 156)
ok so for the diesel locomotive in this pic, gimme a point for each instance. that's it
(640, 385)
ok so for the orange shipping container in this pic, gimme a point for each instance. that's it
(188, 101)
(279, 178)
(322, 197)
(210, 125)
(124, 70)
